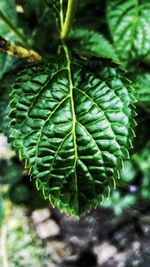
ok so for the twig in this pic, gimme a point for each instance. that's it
(18, 51)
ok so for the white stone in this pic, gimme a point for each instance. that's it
(40, 215)
(47, 229)
(104, 252)
(5, 150)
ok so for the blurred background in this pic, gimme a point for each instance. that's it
(35, 234)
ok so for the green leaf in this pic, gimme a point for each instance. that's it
(141, 83)
(5, 89)
(6, 63)
(8, 17)
(8, 30)
(72, 128)
(90, 43)
(129, 24)
(8, 22)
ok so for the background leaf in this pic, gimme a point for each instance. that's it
(8, 17)
(141, 83)
(90, 43)
(5, 89)
(9, 31)
(129, 24)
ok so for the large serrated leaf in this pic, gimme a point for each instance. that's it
(129, 24)
(89, 43)
(73, 131)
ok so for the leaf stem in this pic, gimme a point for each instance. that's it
(71, 9)
(18, 51)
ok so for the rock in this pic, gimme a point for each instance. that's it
(39, 216)
(58, 250)
(47, 229)
(5, 151)
(104, 252)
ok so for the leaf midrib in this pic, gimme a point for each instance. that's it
(73, 112)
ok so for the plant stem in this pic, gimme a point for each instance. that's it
(71, 9)
(18, 51)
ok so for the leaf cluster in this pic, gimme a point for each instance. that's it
(72, 115)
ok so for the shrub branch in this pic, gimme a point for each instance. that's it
(18, 51)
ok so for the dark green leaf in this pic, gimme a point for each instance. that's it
(90, 43)
(8, 17)
(5, 89)
(141, 83)
(129, 24)
(72, 128)
(6, 63)
(8, 22)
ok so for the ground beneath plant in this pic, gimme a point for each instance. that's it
(98, 239)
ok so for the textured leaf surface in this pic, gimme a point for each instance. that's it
(90, 43)
(141, 83)
(129, 24)
(5, 89)
(72, 128)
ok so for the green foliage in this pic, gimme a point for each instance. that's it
(10, 173)
(7, 9)
(141, 83)
(8, 19)
(90, 43)
(72, 115)
(134, 186)
(5, 89)
(129, 24)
